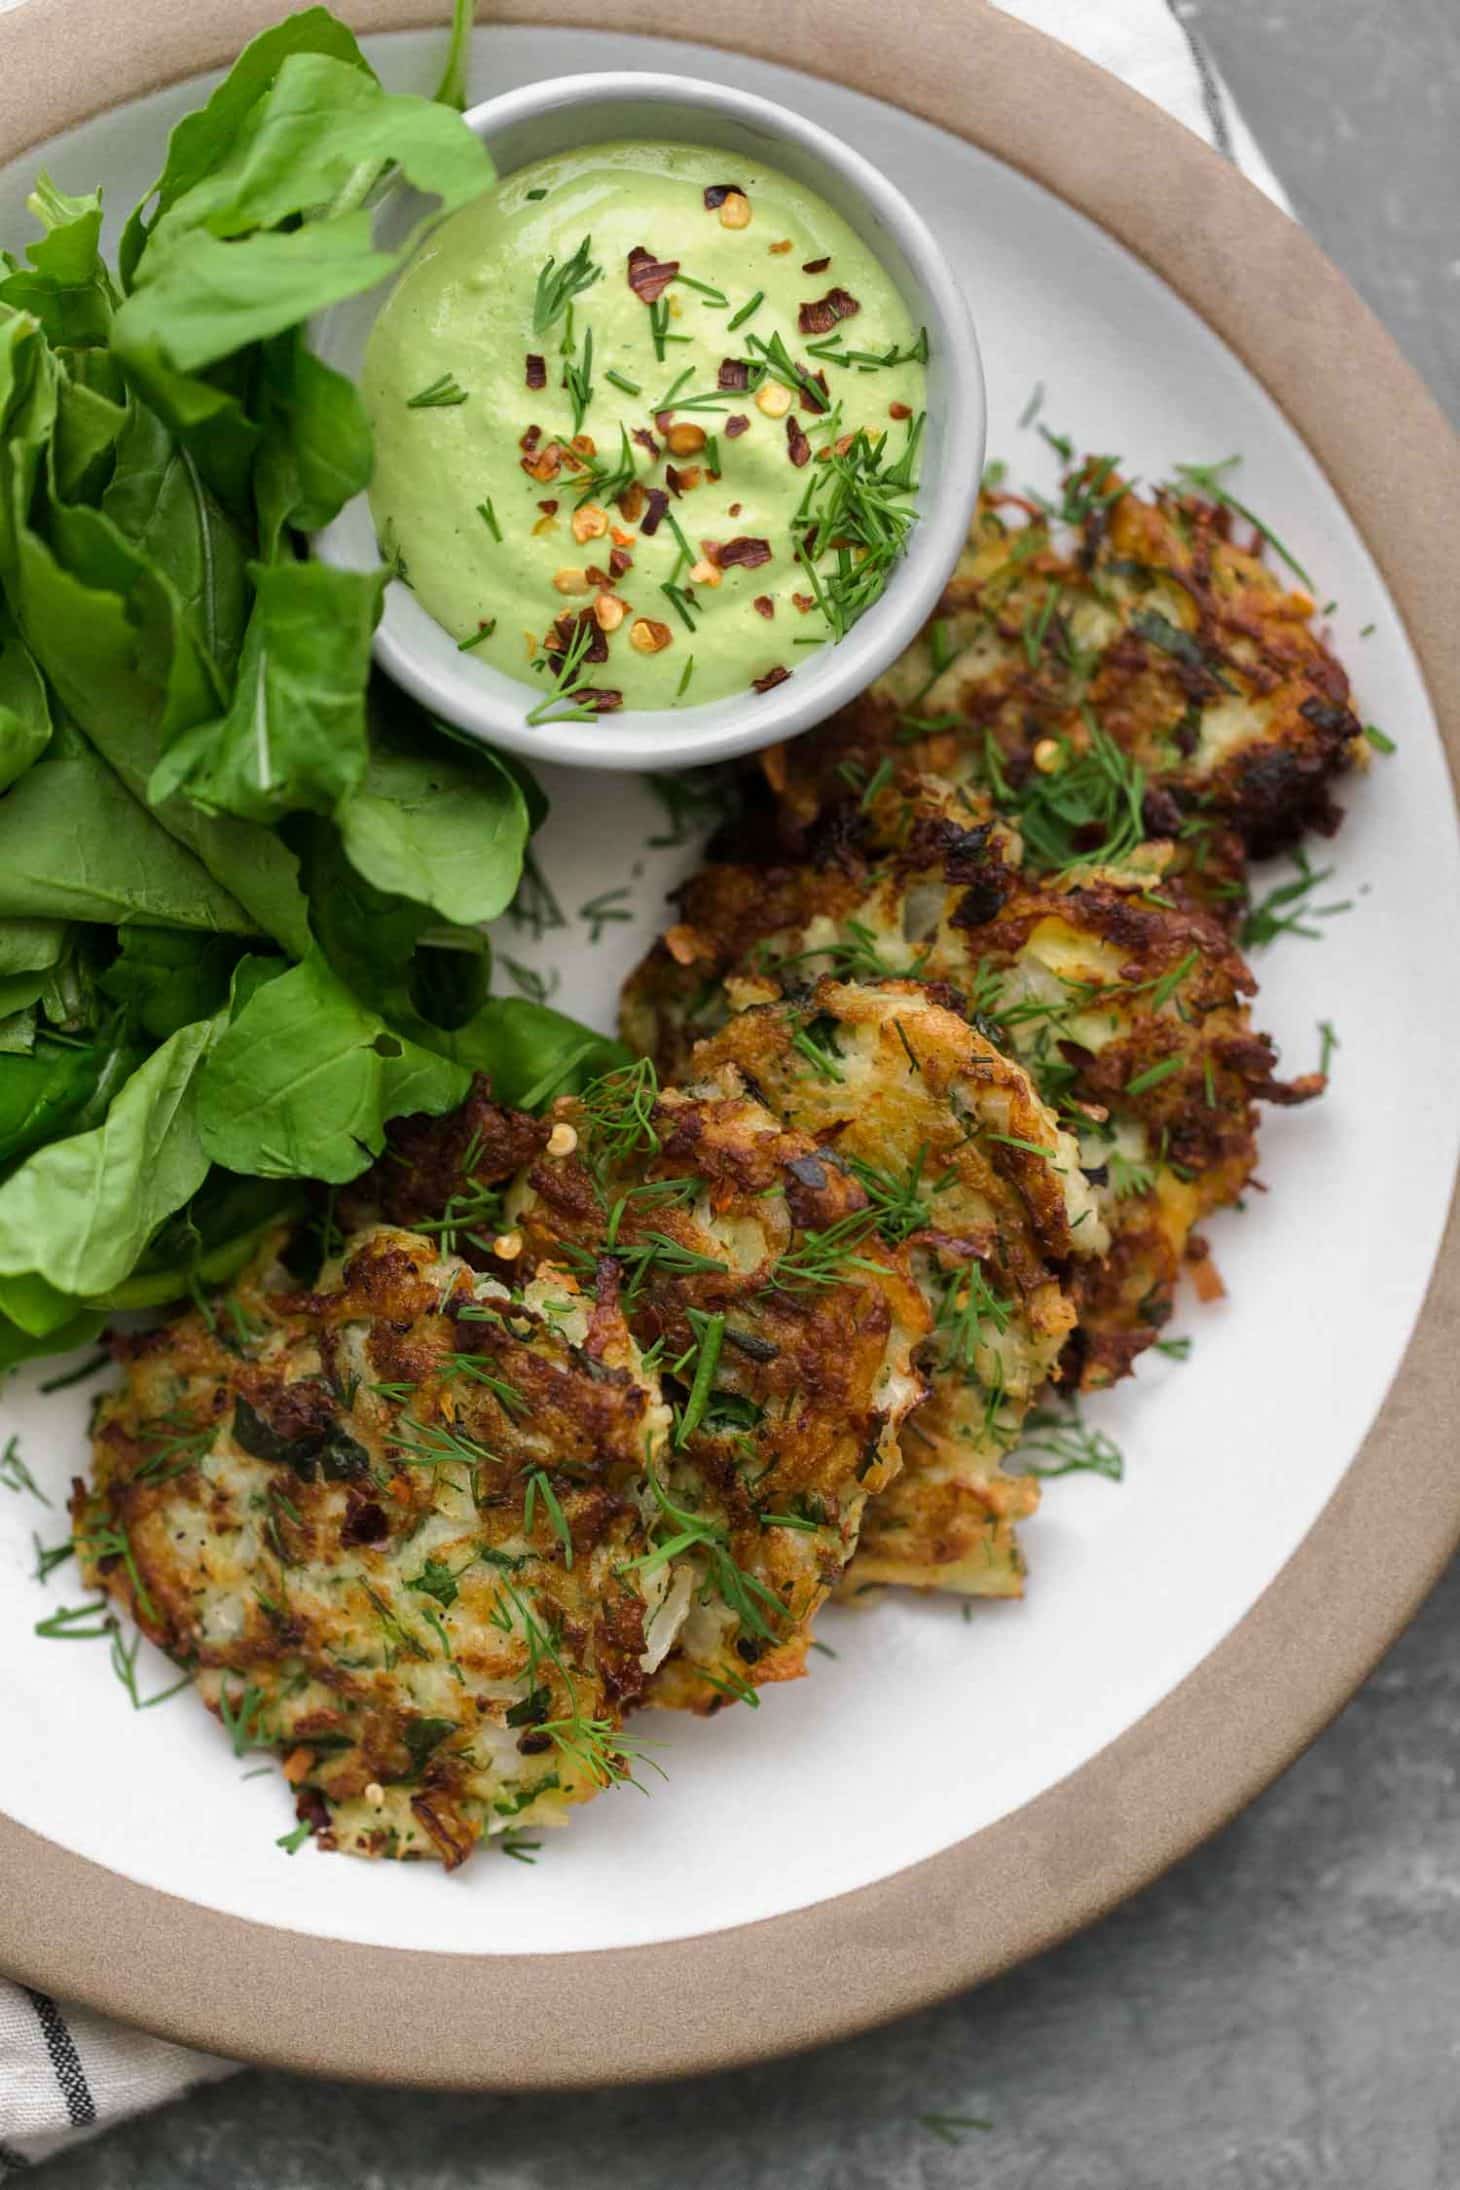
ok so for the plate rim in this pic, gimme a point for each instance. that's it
(1175, 1777)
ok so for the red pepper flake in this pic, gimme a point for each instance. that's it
(549, 509)
(530, 439)
(763, 605)
(899, 410)
(717, 193)
(597, 577)
(364, 1523)
(536, 370)
(650, 277)
(599, 698)
(747, 553)
(815, 266)
(561, 636)
(684, 482)
(734, 373)
(771, 679)
(812, 401)
(546, 464)
(654, 516)
(823, 313)
(646, 440)
(798, 447)
(619, 561)
(735, 424)
(776, 249)
(663, 420)
(735, 508)
(631, 502)
(803, 601)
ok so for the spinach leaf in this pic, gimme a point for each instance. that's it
(88, 426)
(419, 973)
(74, 845)
(294, 736)
(17, 1345)
(447, 831)
(79, 1212)
(166, 978)
(111, 688)
(315, 454)
(532, 1053)
(59, 1088)
(306, 1078)
(27, 946)
(209, 1240)
(25, 719)
(158, 501)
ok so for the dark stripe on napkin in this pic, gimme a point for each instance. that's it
(65, 2060)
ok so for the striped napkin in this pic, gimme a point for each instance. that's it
(65, 2073)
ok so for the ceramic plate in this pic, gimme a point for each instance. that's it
(957, 1784)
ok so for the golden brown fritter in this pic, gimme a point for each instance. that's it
(784, 1329)
(400, 1527)
(1126, 1002)
(970, 1171)
(1139, 620)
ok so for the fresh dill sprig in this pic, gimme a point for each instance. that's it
(443, 393)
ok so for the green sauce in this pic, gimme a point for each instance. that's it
(565, 429)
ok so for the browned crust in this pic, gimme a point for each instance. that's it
(1179, 1774)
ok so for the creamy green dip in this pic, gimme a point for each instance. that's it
(600, 398)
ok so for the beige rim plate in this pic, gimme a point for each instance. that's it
(1220, 1737)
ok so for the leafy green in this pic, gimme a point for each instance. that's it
(60, 1088)
(25, 719)
(75, 846)
(67, 286)
(166, 978)
(315, 454)
(157, 499)
(294, 736)
(306, 1078)
(446, 829)
(80, 1212)
(451, 91)
(532, 1053)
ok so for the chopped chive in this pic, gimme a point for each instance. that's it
(712, 452)
(442, 393)
(1153, 1076)
(1367, 631)
(488, 517)
(716, 296)
(746, 310)
(1379, 739)
(682, 605)
(629, 387)
(683, 686)
(464, 646)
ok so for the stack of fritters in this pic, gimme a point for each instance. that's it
(943, 1061)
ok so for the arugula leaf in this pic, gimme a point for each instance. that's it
(294, 736)
(25, 719)
(79, 1213)
(209, 1240)
(208, 134)
(68, 287)
(421, 974)
(217, 273)
(446, 831)
(306, 1079)
(89, 423)
(28, 946)
(451, 91)
(158, 501)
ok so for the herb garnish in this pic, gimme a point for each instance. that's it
(557, 285)
(443, 393)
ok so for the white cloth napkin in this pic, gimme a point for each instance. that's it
(65, 2073)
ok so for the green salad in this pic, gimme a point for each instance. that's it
(242, 881)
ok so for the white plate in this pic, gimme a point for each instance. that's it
(927, 1726)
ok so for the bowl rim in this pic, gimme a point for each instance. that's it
(664, 738)
(1249, 1710)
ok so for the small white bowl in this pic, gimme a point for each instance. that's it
(556, 116)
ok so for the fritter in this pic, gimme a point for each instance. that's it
(1125, 1001)
(1120, 637)
(968, 1170)
(784, 1330)
(401, 1528)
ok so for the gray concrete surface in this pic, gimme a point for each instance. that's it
(1283, 2012)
